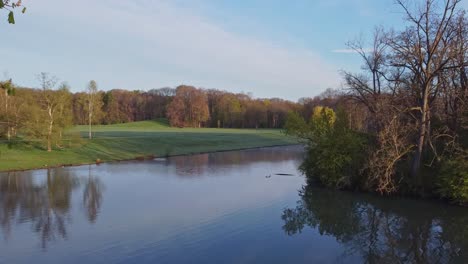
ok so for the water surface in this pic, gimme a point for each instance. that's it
(227, 207)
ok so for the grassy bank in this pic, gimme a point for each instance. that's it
(132, 140)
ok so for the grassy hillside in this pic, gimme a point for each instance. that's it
(135, 140)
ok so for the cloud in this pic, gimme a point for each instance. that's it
(150, 42)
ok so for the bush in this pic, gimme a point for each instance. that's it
(452, 180)
(335, 153)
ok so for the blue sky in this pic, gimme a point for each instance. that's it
(270, 48)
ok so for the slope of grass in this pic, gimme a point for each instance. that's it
(136, 140)
(160, 124)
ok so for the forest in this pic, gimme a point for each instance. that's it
(44, 114)
(401, 125)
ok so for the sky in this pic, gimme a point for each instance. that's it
(269, 48)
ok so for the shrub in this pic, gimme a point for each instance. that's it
(335, 153)
(453, 179)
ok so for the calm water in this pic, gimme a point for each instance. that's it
(215, 208)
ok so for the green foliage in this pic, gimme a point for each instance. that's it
(453, 179)
(8, 87)
(11, 17)
(230, 109)
(324, 117)
(10, 5)
(335, 153)
(130, 140)
(298, 127)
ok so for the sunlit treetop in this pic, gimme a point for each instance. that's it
(9, 6)
(8, 87)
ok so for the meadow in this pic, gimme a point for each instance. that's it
(136, 140)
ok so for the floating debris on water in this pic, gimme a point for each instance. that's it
(284, 174)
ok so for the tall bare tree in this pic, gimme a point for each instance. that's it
(94, 104)
(368, 86)
(423, 52)
(49, 104)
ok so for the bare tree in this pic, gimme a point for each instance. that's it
(49, 103)
(393, 144)
(370, 86)
(423, 51)
(374, 57)
(93, 101)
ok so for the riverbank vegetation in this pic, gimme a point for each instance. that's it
(138, 140)
(120, 124)
(401, 125)
(43, 114)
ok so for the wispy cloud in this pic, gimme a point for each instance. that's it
(157, 40)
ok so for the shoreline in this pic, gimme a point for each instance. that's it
(146, 157)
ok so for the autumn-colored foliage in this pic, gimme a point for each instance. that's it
(189, 108)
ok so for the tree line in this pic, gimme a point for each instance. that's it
(400, 125)
(44, 113)
(214, 108)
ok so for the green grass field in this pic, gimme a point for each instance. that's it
(135, 140)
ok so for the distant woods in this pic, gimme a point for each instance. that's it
(401, 124)
(184, 106)
(44, 113)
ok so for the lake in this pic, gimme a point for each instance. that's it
(250, 206)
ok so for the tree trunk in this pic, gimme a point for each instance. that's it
(422, 135)
(49, 132)
(90, 115)
(49, 143)
(58, 144)
(7, 115)
(89, 131)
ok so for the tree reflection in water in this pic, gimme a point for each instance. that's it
(45, 203)
(200, 164)
(92, 196)
(383, 230)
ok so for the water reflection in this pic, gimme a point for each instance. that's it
(382, 230)
(195, 165)
(44, 201)
(92, 196)
(215, 208)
